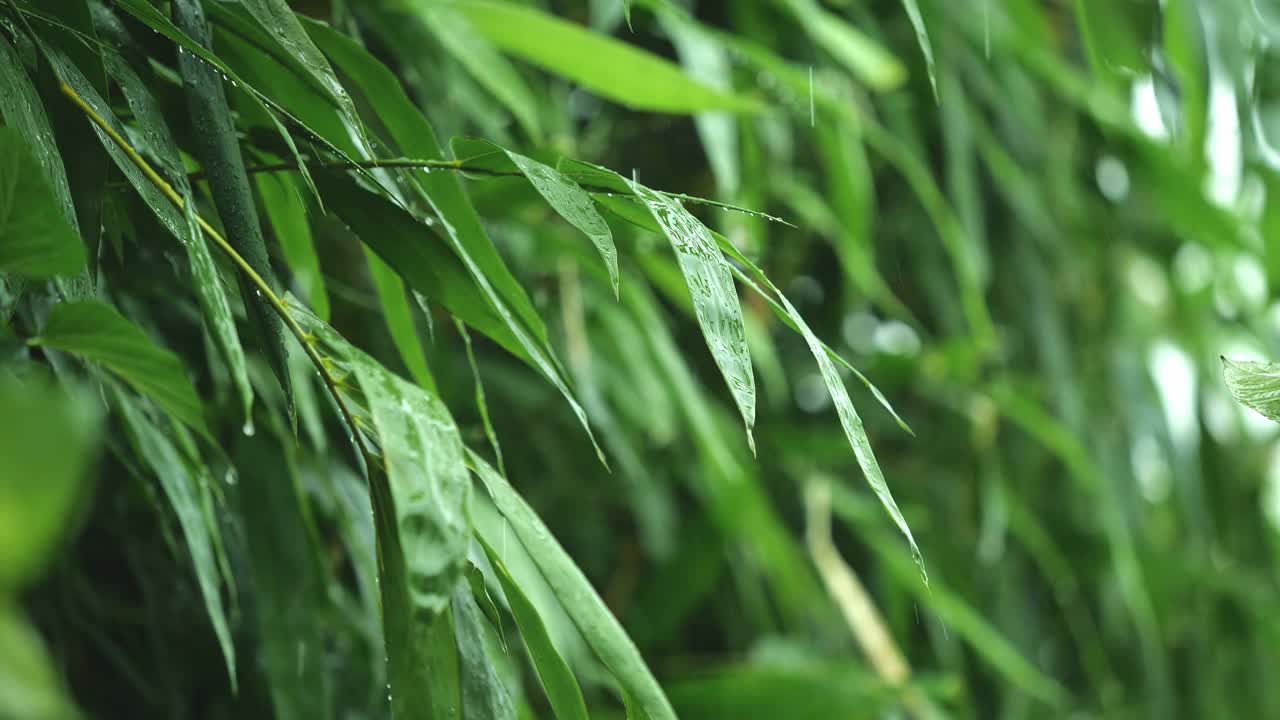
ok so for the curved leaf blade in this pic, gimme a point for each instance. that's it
(599, 627)
(607, 67)
(1256, 385)
(98, 332)
(35, 238)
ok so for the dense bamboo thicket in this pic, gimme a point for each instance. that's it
(497, 359)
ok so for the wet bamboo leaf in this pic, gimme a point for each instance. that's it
(420, 497)
(598, 626)
(35, 238)
(553, 672)
(218, 150)
(561, 193)
(861, 55)
(462, 228)
(97, 332)
(181, 477)
(483, 694)
(715, 300)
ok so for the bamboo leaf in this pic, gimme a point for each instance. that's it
(181, 476)
(287, 213)
(462, 228)
(553, 672)
(181, 224)
(1256, 385)
(598, 626)
(922, 37)
(483, 694)
(607, 67)
(35, 238)
(862, 56)
(482, 60)
(561, 193)
(399, 318)
(420, 497)
(715, 300)
(218, 149)
(96, 332)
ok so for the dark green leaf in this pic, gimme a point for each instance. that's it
(35, 238)
(96, 332)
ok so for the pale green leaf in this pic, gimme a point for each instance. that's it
(1256, 385)
(607, 67)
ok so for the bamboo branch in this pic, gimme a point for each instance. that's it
(259, 284)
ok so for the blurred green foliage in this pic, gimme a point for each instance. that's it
(530, 400)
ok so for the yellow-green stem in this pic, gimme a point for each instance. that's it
(261, 285)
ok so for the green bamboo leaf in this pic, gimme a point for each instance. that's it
(275, 17)
(862, 56)
(715, 300)
(181, 224)
(22, 110)
(607, 67)
(561, 193)
(484, 697)
(421, 502)
(218, 150)
(292, 606)
(598, 626)
(48, 436)
(418, 255)
(462, 228)
(553, 672)
(97, 332)
(1254, 384)
(35, 238)
(493, 71)
(399, 318)
(922, 37)
(181, 476)
(287, 213)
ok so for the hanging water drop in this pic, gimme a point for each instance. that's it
(248, 428)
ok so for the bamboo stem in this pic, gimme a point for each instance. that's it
(259, 284)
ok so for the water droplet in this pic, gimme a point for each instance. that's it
(248, 428)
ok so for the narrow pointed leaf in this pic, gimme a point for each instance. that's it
(399, 318)
(218, 150)
(922, 37)
(443, 192)
(862, 56)
(95, 331)
(607, 67)
(561, 193)
(420, 494)
(598, 626)
(181, 477)
(553, 672)
(483, 694)
(483, 61)
(181, 224)
(35, 238)
(287, 213)
(715, 300)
